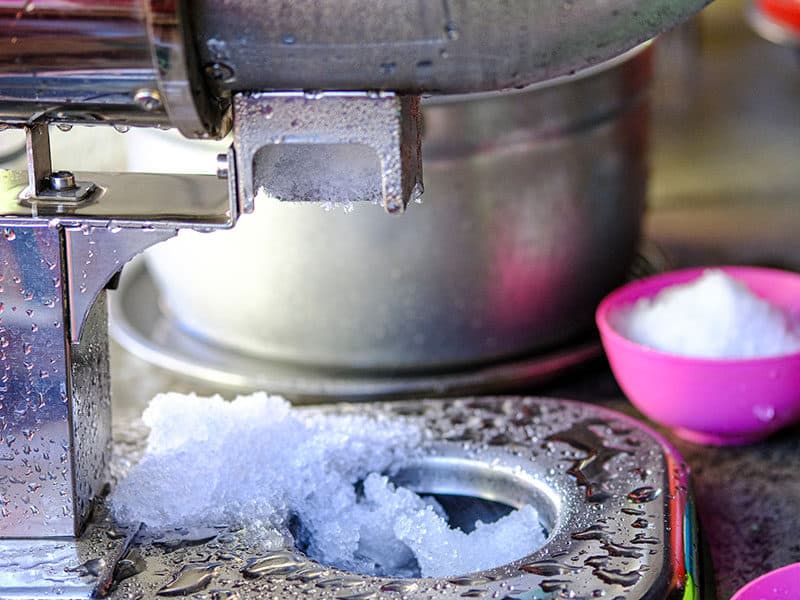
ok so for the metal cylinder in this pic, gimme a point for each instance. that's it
(175, 62)
(121, 62)
(82, 61)
(416, 46)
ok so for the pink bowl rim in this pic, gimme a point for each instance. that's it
(613, 302)
(740, 595)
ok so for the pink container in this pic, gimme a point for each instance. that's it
(781, 584)
(707, 401)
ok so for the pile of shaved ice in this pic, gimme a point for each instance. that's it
(714, 316)
(283, 473)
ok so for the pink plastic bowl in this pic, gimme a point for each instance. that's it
(707, 401)
(781, 584)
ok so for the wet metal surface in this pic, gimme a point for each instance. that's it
(627, 542)
(748, 497)
(64, 568)
(54, 416)
(334, 147)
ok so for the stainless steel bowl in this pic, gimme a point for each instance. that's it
(531, 214)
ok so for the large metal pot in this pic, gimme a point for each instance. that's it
(531, 213)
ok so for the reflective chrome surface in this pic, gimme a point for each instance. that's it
(94, 255)
(128, 199)
(56, 257)
(81, 60)
(128, 62)
(190, 106)
(65, 568)
(55, 412)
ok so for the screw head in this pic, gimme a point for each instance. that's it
(223, 167)
(62, 181)
(148, 99)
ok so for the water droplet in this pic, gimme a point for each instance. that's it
(553, 585)
(402, 587)
(344, 581)
(190, 579)
(425, 69)
(643, 494)
(470, 580)
(122, 128)
(93, 567)
(64, 126)
(617, 576)
(113, 534)
(641, 538)
(131, 565)
(277, 564)
(288, 39)
(221, 72)
(548, 568)
(589, 470)
(765, 414)
(451, 30)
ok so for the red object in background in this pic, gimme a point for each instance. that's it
(783, 12)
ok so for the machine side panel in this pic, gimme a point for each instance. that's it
(36, 466)
(91, 401)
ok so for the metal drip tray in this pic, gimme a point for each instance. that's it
(613, 496)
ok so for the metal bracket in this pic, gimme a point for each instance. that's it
(334, 147)
(60, 243)
(93, 257)
(45, 186)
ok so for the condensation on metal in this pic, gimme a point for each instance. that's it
(101, 61)
(54, 402)
(418, 46)
(55, 261)
(332, 147)
(615, 497)
(85, 68)
(65, 568)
